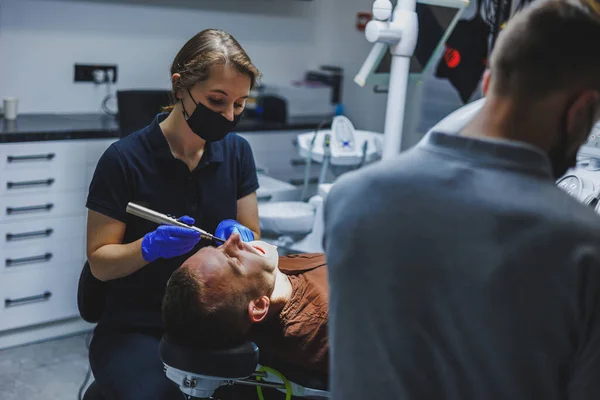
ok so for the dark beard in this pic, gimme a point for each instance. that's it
(560, 161)
(559, 158)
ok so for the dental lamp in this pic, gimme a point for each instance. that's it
(400, 33)
(397, 30)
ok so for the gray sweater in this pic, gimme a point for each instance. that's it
(459, 271)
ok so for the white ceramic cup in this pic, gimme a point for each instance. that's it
(11, 104)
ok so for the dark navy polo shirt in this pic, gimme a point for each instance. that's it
(140, 168)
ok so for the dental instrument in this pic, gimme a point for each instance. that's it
(159, 218)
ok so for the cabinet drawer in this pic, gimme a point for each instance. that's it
(16, 208)
(41, 154)
(35, 297)
(42, 180)
(38, 232)
(52, 256)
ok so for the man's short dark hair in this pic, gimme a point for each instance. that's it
(195, 316)
(550, 46)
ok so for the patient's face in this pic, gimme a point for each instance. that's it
(236, 264)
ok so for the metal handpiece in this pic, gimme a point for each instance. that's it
(159, 218)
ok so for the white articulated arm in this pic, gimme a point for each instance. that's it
(400, 34)
(382, 10)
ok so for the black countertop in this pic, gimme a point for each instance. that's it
(43, 127)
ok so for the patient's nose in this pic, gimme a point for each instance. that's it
(234, 242)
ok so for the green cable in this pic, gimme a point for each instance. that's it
(288, 385)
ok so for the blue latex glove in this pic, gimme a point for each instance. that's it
(229, 226)
(169, 241)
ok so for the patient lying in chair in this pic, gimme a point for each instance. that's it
(240, 291)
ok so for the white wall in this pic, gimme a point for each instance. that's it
(41, 40)
(340, 42)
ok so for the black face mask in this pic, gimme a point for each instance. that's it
(208, 124)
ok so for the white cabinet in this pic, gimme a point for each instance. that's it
(43, 189)
(55, 179)
(34, 297)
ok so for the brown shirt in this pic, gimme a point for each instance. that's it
(298, 335)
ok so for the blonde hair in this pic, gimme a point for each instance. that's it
(206, 49)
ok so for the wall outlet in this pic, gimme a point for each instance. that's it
(90, 73)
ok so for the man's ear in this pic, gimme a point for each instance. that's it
(582, 109)
(486, 82)
(175, 83)
(258, 309)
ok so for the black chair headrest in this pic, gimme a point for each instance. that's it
(233, 363)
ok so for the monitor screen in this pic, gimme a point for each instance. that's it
(434, 21)
(437, 19)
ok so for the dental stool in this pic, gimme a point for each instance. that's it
(91, 295)
(198, 373)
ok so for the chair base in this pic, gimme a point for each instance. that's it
(203, 387)
(200, 372)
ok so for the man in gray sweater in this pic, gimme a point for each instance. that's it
(485, 281)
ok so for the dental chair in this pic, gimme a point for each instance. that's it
(199, 373)
(297, 226)
(274, 190)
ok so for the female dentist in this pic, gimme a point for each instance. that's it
(185, 163)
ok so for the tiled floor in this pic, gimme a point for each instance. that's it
(52, 370)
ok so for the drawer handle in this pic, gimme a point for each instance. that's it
(11, 262)
(27, 300)
(14, 210)
(46, 182)
(32, 157)
(28, 235)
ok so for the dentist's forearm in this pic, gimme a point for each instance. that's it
(113, 261)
